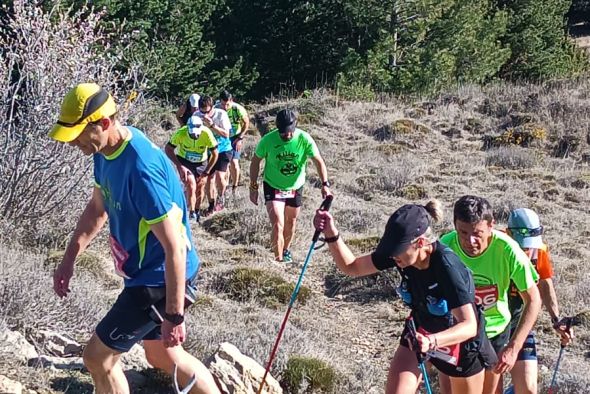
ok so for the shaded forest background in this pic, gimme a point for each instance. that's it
(361, 48)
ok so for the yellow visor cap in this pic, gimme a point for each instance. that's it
(83, 104)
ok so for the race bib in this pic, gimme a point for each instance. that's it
(284, 194)
(194, 157)
(120, 256)
(449, 354)
(486, 296)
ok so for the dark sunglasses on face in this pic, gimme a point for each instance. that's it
(527, 232)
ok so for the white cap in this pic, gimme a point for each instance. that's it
(194, 100)
(195, 126)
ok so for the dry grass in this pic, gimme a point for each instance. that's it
(379, 156)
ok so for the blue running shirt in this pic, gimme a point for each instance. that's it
(139, 188)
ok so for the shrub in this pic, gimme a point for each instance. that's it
(511, 158)
(308, 375)
(43, 56)
(243, 284)
(530, 134)
(365, 244)
(249, 226)
(412, 192)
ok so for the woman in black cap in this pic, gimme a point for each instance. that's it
(437, 287)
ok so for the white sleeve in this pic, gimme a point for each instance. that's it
(225, 123)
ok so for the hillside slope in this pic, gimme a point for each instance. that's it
(519, 146)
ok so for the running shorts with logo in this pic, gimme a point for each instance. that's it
(285, 161)
(432, 294)
(292, 198)
(500, 341)
(542, 263)
(500, 264)
(139, 188)
(132, 319)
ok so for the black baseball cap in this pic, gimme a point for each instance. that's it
(286, 121)
(404, 226)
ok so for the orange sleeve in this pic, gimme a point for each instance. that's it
(544, 267)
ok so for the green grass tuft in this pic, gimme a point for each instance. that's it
(270, 289)
(313, 374)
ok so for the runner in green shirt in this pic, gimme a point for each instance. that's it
(495, 260)
(285, 151)
(189, 149)
(240, 122)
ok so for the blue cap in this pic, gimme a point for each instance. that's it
(525, 227)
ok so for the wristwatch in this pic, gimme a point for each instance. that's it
(175, 318)
(327, 184)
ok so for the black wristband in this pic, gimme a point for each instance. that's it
(332, 239)
(175, 318)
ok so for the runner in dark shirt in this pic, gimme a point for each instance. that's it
(437, 287)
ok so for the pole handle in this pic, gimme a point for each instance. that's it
(326, 204)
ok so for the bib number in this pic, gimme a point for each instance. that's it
(486, 296)
(120, 256)
(194, 157)
(448, 354)
(284, 194)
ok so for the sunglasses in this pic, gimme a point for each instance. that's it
(527, 232)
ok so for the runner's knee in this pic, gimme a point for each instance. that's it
(159, 358)
(97, 357)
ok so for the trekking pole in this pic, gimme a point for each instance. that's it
(419, 354)
(550, 391)
(324, 207)
(580, 319)
(568, 323)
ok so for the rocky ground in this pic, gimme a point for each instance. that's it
(520, 146)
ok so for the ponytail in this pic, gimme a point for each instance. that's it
(434, 209)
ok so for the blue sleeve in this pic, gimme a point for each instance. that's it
(150, 193)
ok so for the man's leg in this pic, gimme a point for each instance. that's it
(164, 358)
(191, 189)
(104, 367)
(200, 192)
(490, 382)
(211, 191)
(276, 214)
(221, 181)
(234, 173)
(524, 376)
(291, 214)
(524, 373)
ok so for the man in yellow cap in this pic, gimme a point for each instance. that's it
(137, 189)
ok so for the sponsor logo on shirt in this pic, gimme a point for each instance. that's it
(486, 296)
(289, 169)
(108, 198)
(287, 156)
